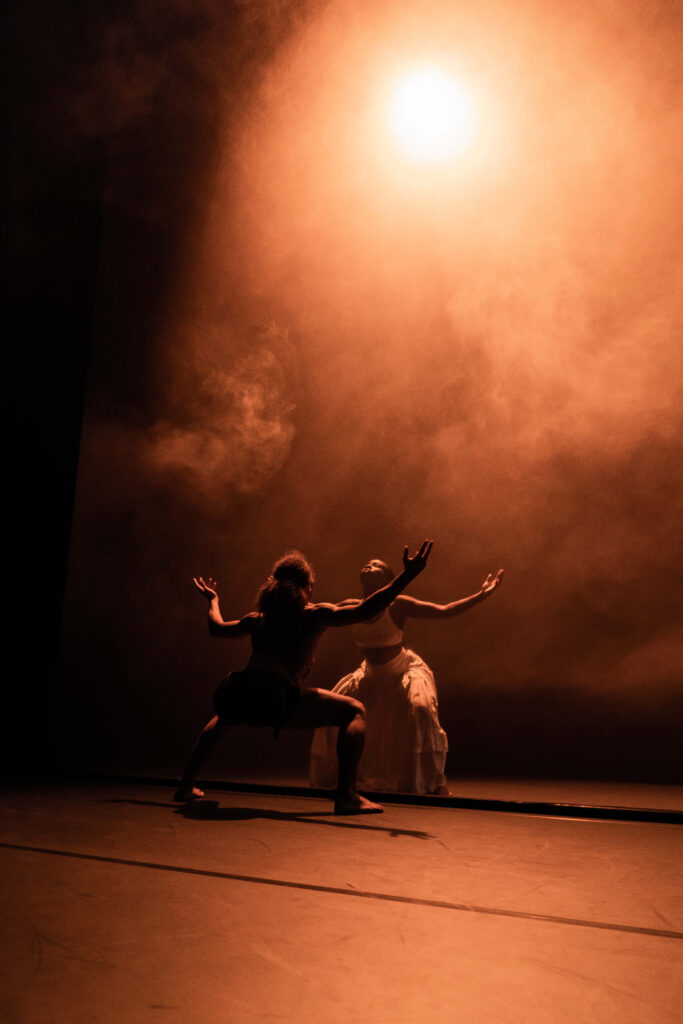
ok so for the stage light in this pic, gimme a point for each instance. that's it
(432, 116)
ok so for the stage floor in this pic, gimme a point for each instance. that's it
(120, 907)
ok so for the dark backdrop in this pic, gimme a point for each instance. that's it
(296, 339)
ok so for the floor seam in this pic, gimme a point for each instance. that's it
(356, 893)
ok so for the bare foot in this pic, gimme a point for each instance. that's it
(182, 796)
(357, 805)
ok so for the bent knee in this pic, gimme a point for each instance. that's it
(355, 708)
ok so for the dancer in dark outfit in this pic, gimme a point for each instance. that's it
(285, 630)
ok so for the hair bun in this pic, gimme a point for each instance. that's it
(286, 572)
(295, 569)
(286, 587)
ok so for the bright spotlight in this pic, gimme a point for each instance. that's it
(432, 117)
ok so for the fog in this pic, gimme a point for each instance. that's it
(304, 339)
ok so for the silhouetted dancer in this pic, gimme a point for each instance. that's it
(285, 630)
(405, 749)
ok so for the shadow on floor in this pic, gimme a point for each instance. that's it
(211, 810)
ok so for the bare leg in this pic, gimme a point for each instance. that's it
(350, 742)
(322, 707)
(208, 738)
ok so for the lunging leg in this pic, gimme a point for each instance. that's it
(208, 738)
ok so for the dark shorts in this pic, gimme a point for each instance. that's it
(256, 696)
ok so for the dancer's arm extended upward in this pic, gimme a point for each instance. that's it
(346, 613)
(217, 625)
(410, 608)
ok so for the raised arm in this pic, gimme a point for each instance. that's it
(410, 608)
(346, 614)
(218, 627)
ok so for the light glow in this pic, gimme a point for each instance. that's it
(432, 116)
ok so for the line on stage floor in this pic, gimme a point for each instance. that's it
(543, 808)
(358, 893)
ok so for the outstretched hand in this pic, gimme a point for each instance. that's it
(492, 582)
(414, 566)
(207, 586)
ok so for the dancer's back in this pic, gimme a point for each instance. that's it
(288, 638)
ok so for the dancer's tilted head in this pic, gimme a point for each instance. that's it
(375, 574)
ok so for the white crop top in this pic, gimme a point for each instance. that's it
(382, 632)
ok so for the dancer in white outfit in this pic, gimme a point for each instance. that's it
(405, 745)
